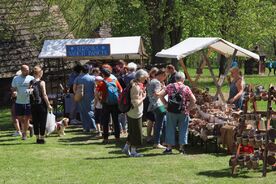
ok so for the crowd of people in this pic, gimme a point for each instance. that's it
(158, 95)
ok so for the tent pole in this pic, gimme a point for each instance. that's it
(213, 76)
(228, 66)
(186, 72)
(200, 68)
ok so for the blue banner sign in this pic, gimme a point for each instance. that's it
(87, 50)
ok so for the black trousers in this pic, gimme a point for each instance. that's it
(114, 111)
(39, 118)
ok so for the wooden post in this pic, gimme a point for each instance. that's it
(186, 72)
(201, 66)
(213, 76)
(268, 119)
(64, 75)
(228, 66)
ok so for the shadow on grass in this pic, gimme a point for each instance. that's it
(6, 126)
(11, 144)
(226, 173)
(76, 139)
(140, 150)
(7, 140)
(6, 134)
(124, 156)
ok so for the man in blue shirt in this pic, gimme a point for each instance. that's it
(20, 89)
(72, 105)
(86, 102)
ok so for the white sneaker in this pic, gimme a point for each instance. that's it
(16, 134)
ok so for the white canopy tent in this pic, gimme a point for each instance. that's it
(194, 44)
(126, 48)
(120, 48)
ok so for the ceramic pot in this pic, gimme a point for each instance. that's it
(239, 139)
(271, 147)
(248, 162)
(251, 141)
(255, 163)
(244, 140)
(258, 97)
(241, 160)
(233, 161)
(271, 160)
(258, 141)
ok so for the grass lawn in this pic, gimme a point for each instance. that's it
(78, 158)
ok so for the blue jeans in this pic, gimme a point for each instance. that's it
(123, 121)
(87, 114)
(159, 126)
(180, 120)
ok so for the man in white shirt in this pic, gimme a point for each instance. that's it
(20, 89)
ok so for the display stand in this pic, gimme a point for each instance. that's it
(217, 82)
(253, 132)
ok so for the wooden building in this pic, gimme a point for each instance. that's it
(24, 25)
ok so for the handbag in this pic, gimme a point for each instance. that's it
(79, 92)
(160, 110)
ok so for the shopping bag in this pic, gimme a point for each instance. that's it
(51, 123)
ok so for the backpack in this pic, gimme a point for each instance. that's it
(36, 94)
(124, 104)
(175, 101)
(112, 93)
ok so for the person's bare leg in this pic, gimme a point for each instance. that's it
(98, 126)
(21, 120)
(25, 126)
(16, 124)
(149, 130)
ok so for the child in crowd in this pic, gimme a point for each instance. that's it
(98, 107)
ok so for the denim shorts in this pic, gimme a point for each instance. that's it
(22, 109)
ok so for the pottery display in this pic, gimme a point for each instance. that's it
(253, 131)
(241, 160)
(255, 163)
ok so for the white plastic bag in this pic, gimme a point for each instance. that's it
(51, 123)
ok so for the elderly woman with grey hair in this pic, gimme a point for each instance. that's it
(134, 115)
(180, 101)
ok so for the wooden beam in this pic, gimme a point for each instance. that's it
(213, 76)
(202, 65)
(228, 66)
(186, 72)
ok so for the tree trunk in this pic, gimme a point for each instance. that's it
(157, 32)
(157, 43)
(176, 28)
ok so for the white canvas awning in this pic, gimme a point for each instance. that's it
(194, 44)
(120, 47)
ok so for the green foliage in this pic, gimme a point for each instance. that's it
(130, 18)
(244, 22)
